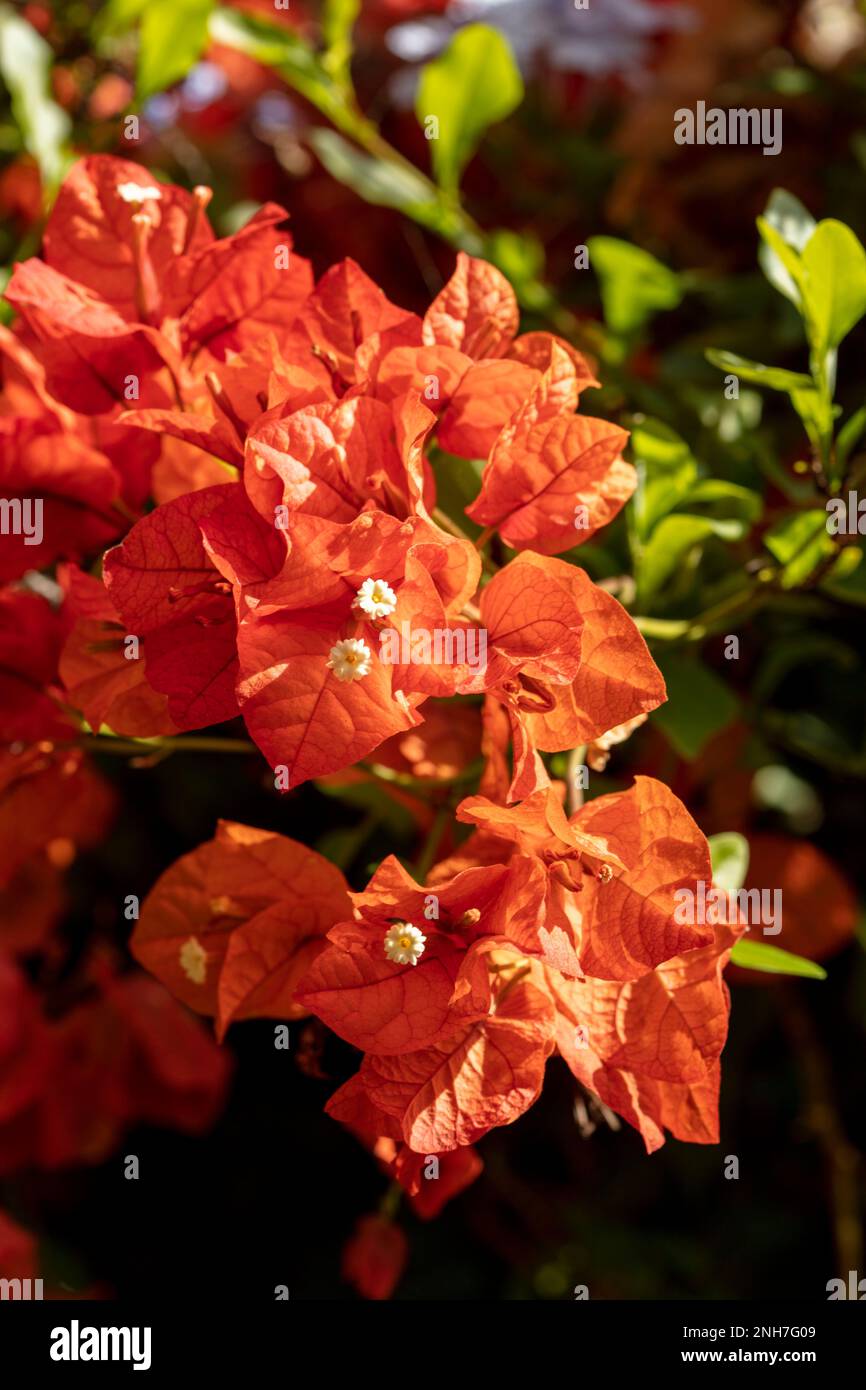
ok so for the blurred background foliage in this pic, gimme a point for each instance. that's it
(555, 159)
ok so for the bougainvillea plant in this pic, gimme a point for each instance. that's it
(234, 470)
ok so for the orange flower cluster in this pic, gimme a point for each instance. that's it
(297, 572)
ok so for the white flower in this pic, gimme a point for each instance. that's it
(404, 944)
(137, 192)
(350, 659)
(376, 598)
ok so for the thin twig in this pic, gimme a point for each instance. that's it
(842, 1160)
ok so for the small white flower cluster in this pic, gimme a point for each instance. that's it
(404, 944)
(351, 658)
(376, 598)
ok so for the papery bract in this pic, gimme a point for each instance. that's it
(231, 927)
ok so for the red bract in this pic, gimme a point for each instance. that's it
(125, 1056)
(616, 920)
(375, 1257)
(369, 589)
(132, 262)
(31, 635)
(64, 490)
(322, 395)
(560, 917)
(48, 795)
(297, 571)
(568, 663)
(479, 1074)
(429, 1180)
(232, 927)
(553, 478)
(376, 1005)
(100, 670)
(650, 1049)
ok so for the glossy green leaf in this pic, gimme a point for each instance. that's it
(758, 955)
(776, 378)
(25, 67)
(847, 579)
(377, 181)
(666, 471)
(287, 53)
(725, 500)
(849, 436)
(467, 88)
(634, 285)
(172, 38)
(800, 542)
(699, 704)
(671, 541)
(785, 228)
(729, 853)
(834, 268)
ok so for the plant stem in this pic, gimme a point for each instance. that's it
(100, 743)
(424, 862)
(576, 759)
(842, 1161)
(444, 520)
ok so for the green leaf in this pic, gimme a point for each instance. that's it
(25, 66)
(699, 704)
(726, 501)
(758, 955)
(471, 85)
(847, 579)
(671, 541)
(117, 17)
(519, 255)
(457, 484)
(288, 54)
(634, 285)
(666, 471)
(800, 541)
(785, 228)
(172, 38)
(729, 853)
(834, 268)
(776, 378)
(377, 181)
(849, 436)
(775, 786)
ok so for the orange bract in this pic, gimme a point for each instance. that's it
(299, 573)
